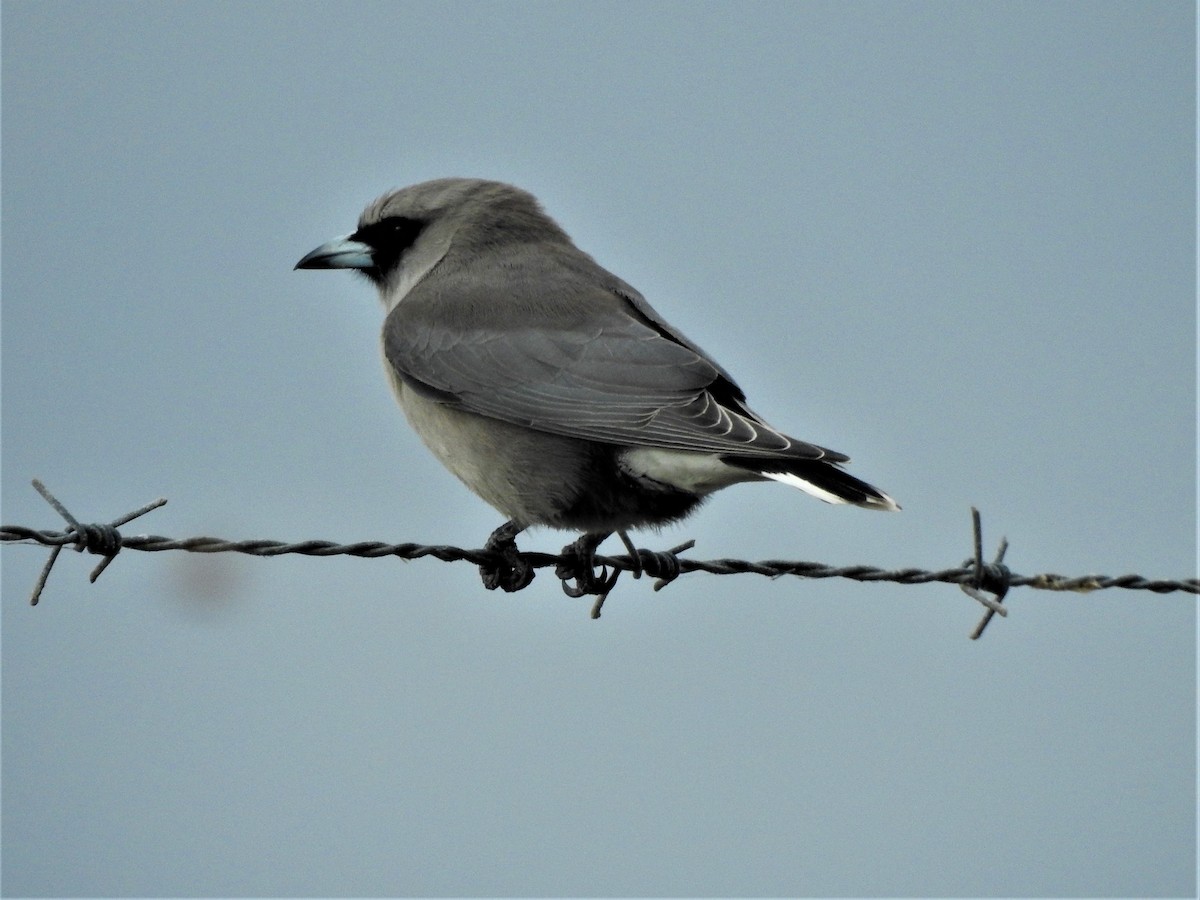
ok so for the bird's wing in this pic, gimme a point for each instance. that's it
(594, 366)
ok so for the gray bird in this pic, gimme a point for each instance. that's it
(548, 385)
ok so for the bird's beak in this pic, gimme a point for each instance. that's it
(341, 253)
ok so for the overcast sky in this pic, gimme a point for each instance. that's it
(953, 240)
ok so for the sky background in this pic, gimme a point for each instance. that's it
(954, 240)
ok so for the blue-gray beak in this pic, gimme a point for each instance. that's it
(340, 253)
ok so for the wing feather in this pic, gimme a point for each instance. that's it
(586, 364)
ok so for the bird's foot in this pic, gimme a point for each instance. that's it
(508, 572)
(579, 566)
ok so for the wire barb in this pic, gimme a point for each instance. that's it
(100, 539)
(977, 578)
(992, 577)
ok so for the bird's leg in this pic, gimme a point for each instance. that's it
(634, 557)
(510, 572)
(578, 565)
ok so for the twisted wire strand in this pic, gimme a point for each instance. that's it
(988, 583)
(772, 568)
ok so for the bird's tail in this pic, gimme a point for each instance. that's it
(824, 480)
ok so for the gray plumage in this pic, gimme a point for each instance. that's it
(549, 386)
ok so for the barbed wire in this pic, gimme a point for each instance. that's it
(975, 577)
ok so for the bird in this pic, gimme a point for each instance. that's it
(549, 386)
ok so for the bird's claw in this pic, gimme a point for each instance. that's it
(508, 572)
(578, 566)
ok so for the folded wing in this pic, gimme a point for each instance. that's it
(598, 365)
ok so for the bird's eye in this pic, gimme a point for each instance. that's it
(389, 238)
(394, 233)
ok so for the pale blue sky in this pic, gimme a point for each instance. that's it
(954, 240)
